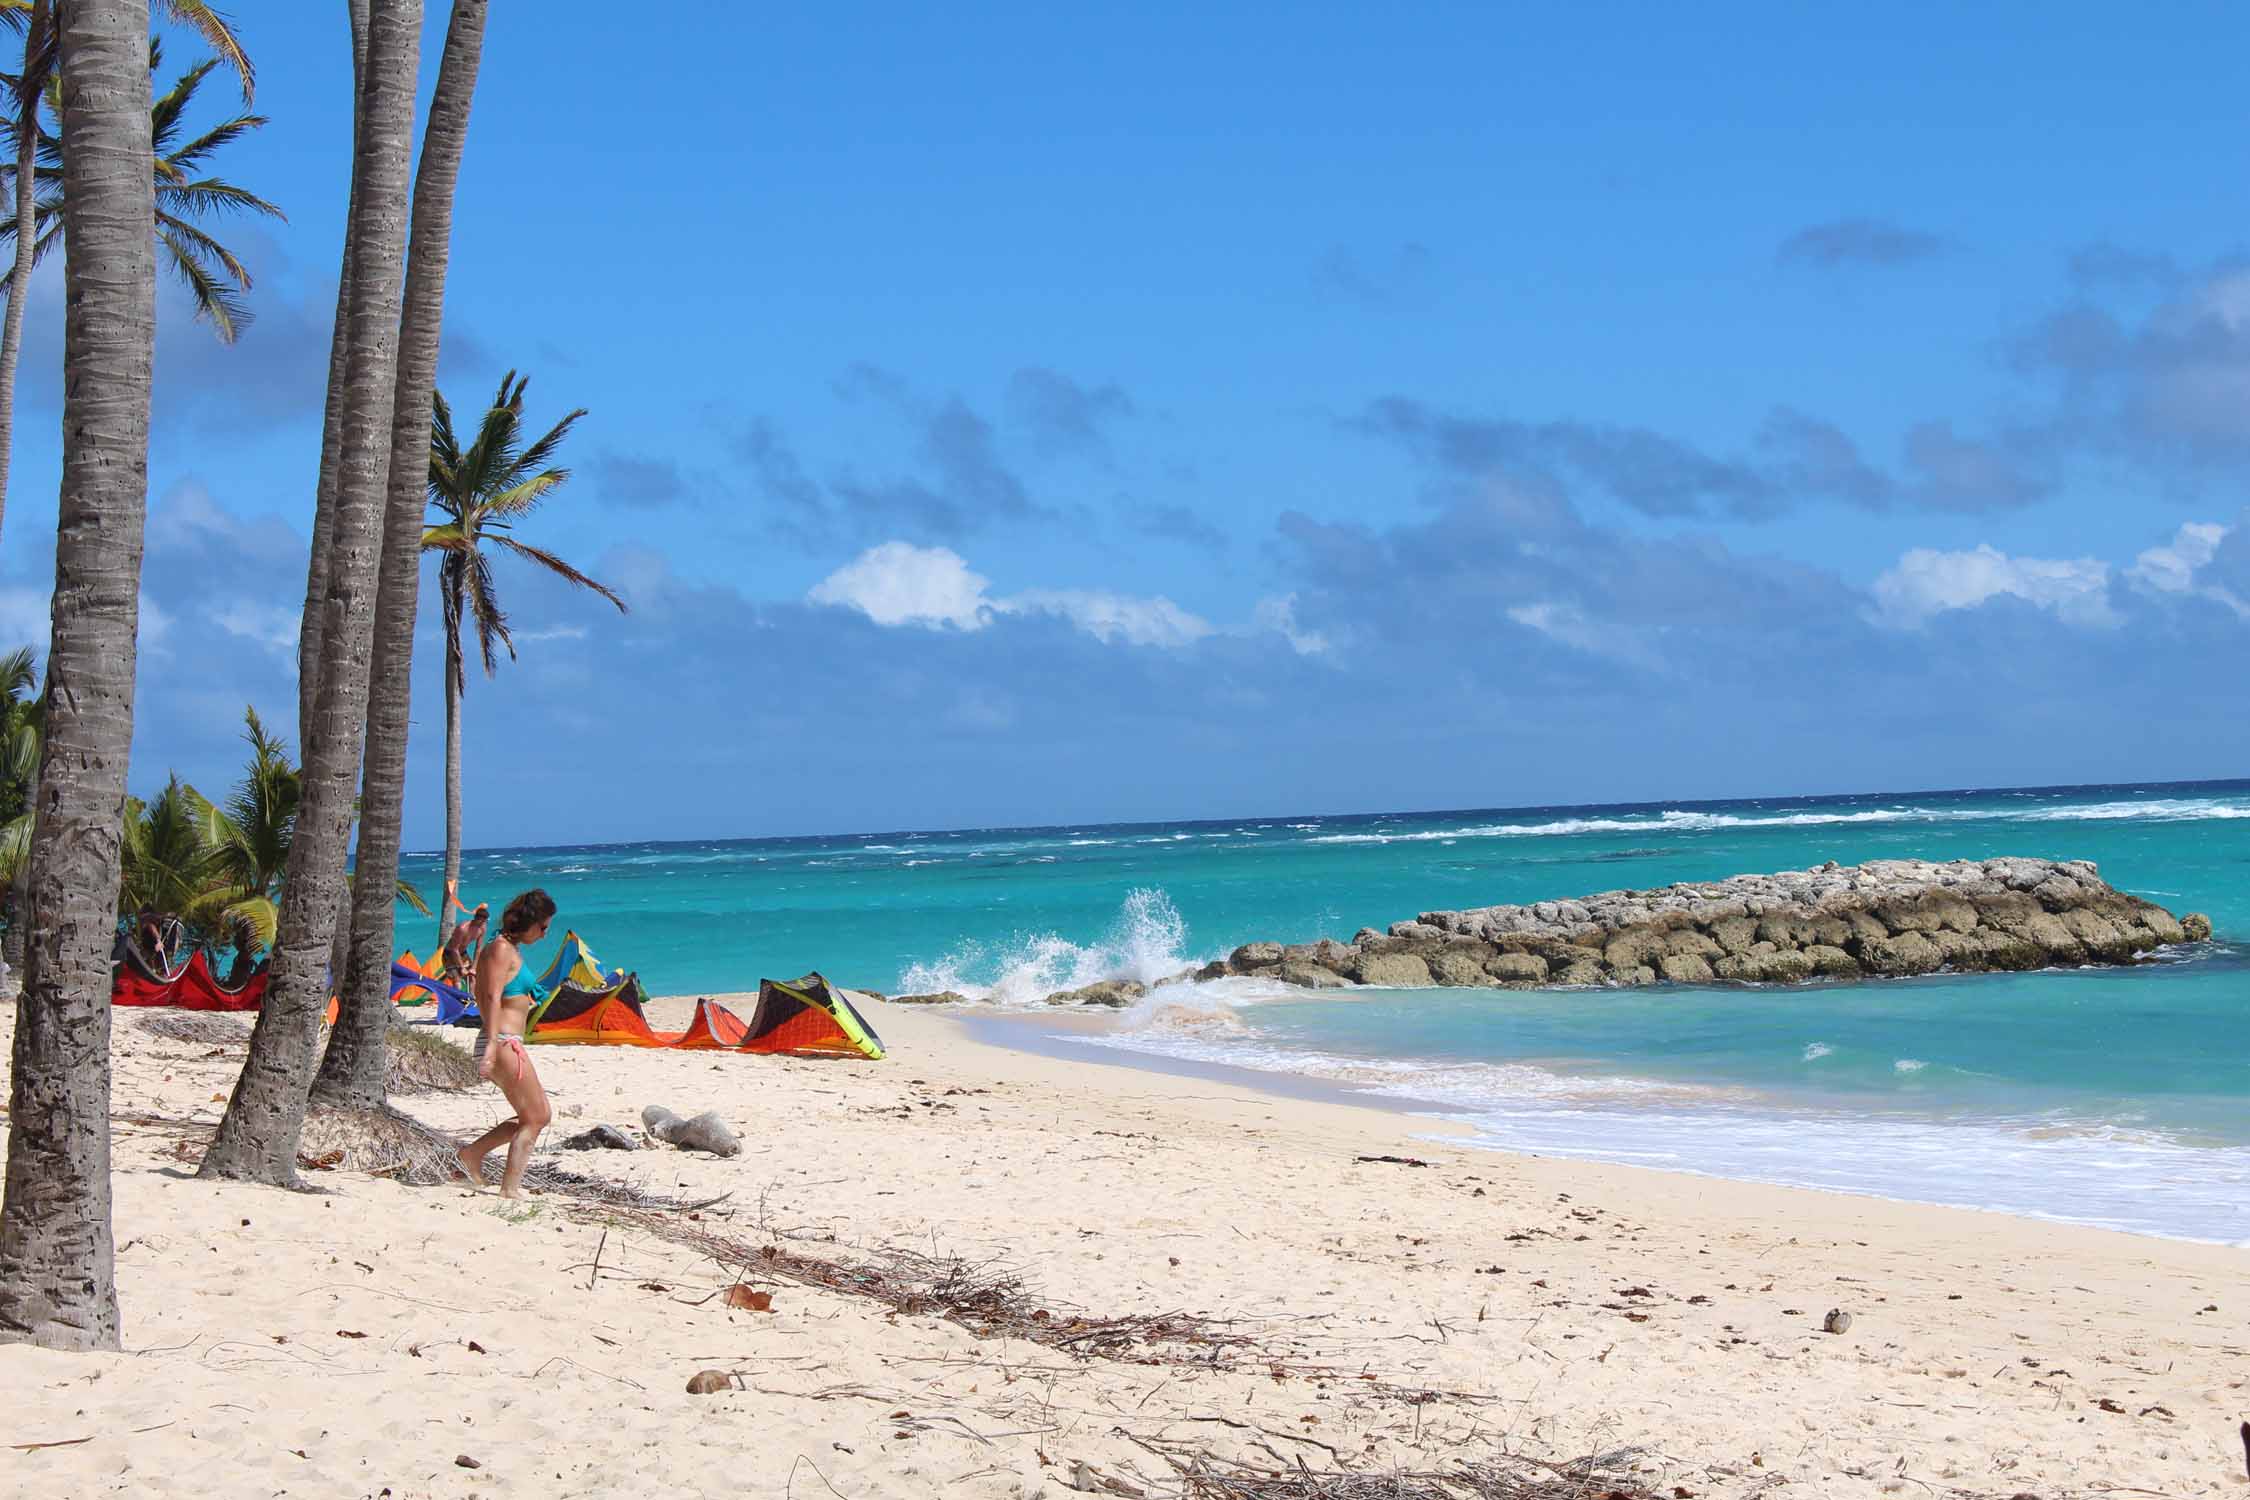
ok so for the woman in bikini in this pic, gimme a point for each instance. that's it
(505, 995)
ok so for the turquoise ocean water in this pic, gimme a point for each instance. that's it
(2112, 1097)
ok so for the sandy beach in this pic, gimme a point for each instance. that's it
(380, 1339)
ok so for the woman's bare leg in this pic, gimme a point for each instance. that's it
(529, 1096)
(472, 1155)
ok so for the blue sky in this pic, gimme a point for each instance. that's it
(1025, 414)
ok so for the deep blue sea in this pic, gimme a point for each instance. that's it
(2111, 1097)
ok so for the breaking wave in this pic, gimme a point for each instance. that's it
(1144, 942)
(1679, 821)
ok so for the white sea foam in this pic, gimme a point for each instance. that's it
(1818, 1050)
(2102, 1172)
(1908, 1065)
(1143, 943)
(1679, 821)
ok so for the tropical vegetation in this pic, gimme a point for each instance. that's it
(479, 494)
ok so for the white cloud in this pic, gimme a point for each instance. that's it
(2172, 568)
(899, 583)
(1279, 615)
(1572, 626)
(1927, 583)
(1110, 618)
(273, 626)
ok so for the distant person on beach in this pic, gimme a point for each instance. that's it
(459, 963)
(505, 994)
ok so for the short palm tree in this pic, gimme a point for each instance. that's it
(19, 773)
(169, 865)
(214, 276)
(480, 493)
(249, 837)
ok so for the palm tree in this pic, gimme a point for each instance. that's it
(20, 713)
(57, 1257)
(249, 837)
(331, 423)
(481, 492)
(34, 19)
(170, 863)
(257, 1137)
(354, 1070)
(214, 276)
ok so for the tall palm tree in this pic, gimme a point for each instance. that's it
(34, 20)
(58, 1282)
(331, 426)
(481, 492)
(214, 276)
(354, 1070)
(257, 1137)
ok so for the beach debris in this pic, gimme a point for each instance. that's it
(1396, 1161)
(748, 1299)
(1837, 1321)
(2246, 1447)
(705, 1132)
(710, 1382)
(463, 1461)
(601, 1138)
(1087, 1479)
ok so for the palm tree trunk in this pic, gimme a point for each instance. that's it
(257, 1137)
(354, 1071)
(455, 676)
(57, 1259)
(332, 423)
(19, 285)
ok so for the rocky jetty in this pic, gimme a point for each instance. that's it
(1885, 918)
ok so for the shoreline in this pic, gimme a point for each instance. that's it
(1065, 1036)
(1399, 1317)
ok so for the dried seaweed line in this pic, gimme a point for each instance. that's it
(986, 1302)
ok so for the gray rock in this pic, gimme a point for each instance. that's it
(1461, 964)
(706, 1132)
(1909, 953)
(1254, 956)
(1530, 968)
(1114, 993)
(942, 997)
(2196, 927)
(1883, 917)
(1312, 977)
(1392, 971)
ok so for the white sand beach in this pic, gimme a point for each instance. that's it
(379, 1340)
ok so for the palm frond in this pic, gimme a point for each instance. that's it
(218, 34)
(15, 847)
(164, 112)
(214, 300)
(523, 497)
(484, 609)
(560, 569)
(537, 456)
(217, 138)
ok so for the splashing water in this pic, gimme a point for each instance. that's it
(1143, 943)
